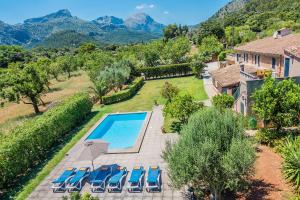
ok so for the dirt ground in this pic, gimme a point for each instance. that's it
(268, 182)
(13, 113)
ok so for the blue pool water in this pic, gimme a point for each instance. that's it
(120, 130)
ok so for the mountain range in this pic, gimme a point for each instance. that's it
(41, 31)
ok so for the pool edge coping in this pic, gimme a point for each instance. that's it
(139, 141)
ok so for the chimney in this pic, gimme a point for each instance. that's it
(281, 33)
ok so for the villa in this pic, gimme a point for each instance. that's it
(278, 55)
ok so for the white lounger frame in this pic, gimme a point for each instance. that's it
(150, 187)
(95, 187)
(139, 186)
(78, 185)
(59, 186)
(119, 185)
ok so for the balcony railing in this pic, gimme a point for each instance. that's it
(248, 76)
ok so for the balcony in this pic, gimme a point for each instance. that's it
(248, 76)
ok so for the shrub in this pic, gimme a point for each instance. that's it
(277, 103)
(208, 154)
(27, 145)
(272, 137)
(166, 70)
(78, 196)
(222, 101)
(252, 123)
(291, 165)
(169, 91)
(266, 136)
(182, 107)
(223, 54)
(125, 94)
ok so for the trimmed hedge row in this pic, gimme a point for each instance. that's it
(28, 145)
(125, 94)
(166, 71)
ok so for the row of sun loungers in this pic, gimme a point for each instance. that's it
(108, 177)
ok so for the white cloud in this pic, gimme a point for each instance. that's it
(144, 6)
(140, 7)
(166, 12)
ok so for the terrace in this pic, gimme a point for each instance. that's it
(147, 156)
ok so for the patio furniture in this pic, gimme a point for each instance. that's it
(99, 178)
(153, 179)
(135, 182)
(75, 183)
(61, 182)
(90, 150)
(116, 181)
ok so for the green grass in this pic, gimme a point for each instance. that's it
(143, 101)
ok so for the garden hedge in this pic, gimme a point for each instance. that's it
(166, 71)
(125, 94)
(29, 144)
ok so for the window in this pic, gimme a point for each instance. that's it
(245, 57)
(273, 63)
(242, 108)
(257, 60)
(286, 66)
(237, 57)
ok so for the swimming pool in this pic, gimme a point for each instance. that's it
(122, 131)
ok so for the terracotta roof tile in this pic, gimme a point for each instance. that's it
(293, 50)
(271, 45)
(230, 75)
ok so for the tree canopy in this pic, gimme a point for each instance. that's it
(278, 102)
(24, 83)
(208, 154)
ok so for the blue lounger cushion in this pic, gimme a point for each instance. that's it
(100, 175)
(79, 175)
(65, 175)
(118, 175)
(136, 175)
(153, 174)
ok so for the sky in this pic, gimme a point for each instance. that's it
(187, 12)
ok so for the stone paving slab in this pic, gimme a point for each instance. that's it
(150, 154)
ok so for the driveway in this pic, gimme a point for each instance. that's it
(208, 85)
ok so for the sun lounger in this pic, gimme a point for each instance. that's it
(99, 178)
(76, 182)
(136, 178)
(115, 182)
(153, 179)
(61, 182)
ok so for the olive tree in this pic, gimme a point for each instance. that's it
(67, 64)
(120, 72)
(24, 83)
(208, 153)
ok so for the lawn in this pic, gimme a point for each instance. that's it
(150, 92)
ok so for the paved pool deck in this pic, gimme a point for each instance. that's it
(150, 154)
